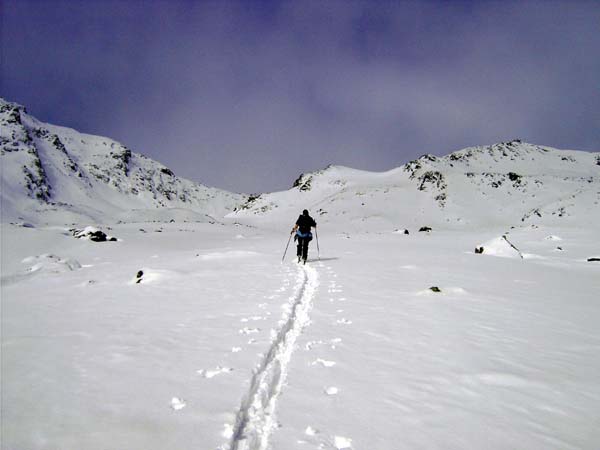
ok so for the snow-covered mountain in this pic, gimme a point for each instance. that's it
(56, 174)
(505, 184)
(52, 174)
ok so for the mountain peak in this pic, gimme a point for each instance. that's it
(56, 173)
(10, 113)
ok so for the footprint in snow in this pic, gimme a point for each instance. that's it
(253, 318)
(310, 431)
(247, 330)
(335, 341)
(342, 443)
(323, 362)
(332, 390)
(309, 345)
(214, 372)
(343, 321)
(177, 404)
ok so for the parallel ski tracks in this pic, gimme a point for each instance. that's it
(255, 419)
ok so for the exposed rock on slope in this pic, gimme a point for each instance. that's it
(56, 174)
(504, 184)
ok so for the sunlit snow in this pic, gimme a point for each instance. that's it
(191, 333)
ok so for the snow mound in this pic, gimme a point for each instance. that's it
(51, 263)
(92, 234)
(500, 247)
(46, 263)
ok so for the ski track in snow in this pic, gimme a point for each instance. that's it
(255, 419)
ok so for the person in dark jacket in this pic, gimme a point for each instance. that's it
(303, 234)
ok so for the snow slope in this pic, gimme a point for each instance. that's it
(53, 174)
(507, 184)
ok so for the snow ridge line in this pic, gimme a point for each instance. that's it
(255, 419)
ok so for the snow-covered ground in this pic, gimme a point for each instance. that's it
(220, 345)
(183, 329)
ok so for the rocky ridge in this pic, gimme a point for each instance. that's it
(509, 183)
(49, 169)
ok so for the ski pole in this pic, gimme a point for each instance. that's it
(286, 247)
(318, 251)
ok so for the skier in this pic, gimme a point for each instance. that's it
(303, 234)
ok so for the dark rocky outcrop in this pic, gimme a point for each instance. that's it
(512, 176)
(92, 234)
(123, 156)
(252, 198)
(36, 179)
(303, 182)
(98, 236)
(13, 113)
(433, 177)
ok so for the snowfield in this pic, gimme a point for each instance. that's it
(196, 336)
(142, 311)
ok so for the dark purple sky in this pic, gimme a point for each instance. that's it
(246, 95)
